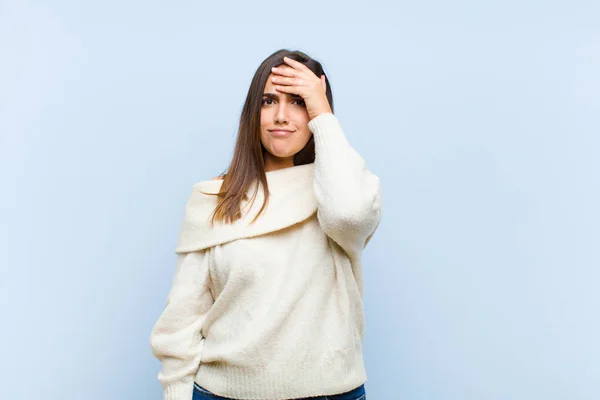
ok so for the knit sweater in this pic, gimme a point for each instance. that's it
(273, 310)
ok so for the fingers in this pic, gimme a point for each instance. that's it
(285, 71)
(285, 81)
(296, 64)
(287, 89)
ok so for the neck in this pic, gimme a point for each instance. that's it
(273, 163)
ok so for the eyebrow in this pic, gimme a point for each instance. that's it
(275, 96)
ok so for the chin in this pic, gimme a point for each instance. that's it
(283, 154)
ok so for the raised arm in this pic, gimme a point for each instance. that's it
(176, 339)
(348, 194)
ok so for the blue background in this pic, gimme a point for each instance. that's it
(481, 119)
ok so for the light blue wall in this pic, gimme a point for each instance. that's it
(481, 118)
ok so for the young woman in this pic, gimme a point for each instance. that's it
(266, 300)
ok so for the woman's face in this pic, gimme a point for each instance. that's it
(282, 111)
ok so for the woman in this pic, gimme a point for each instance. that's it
(266, 301)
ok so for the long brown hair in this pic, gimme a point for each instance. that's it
(247, 164)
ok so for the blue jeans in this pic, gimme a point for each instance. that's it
(355, 394)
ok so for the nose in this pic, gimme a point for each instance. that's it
(281, 115)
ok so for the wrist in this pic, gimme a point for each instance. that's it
(315, 114)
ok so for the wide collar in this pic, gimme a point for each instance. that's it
(292, 200)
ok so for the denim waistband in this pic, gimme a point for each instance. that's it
(354, 394)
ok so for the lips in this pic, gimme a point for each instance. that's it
(281, 132)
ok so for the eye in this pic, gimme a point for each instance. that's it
(265, 100)
(300, 101)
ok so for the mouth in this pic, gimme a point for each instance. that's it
(281, 132)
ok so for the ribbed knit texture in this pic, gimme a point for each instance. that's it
(273, 310)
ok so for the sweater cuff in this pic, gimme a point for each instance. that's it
(327, 132)
(179, 391)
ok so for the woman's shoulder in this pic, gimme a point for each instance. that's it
(209, 185)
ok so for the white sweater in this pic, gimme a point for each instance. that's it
(274, 310)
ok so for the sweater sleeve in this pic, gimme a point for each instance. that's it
(176, 339)
(348, 194)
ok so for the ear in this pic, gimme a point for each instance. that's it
(323, 83)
